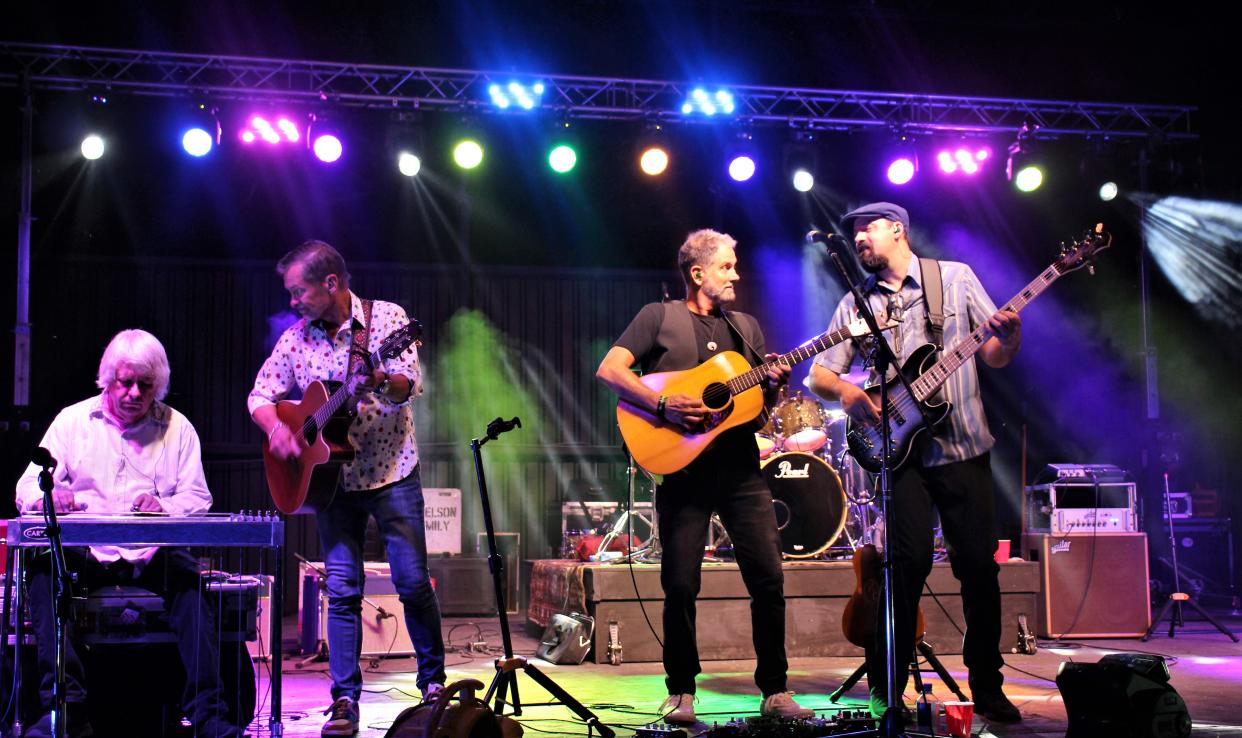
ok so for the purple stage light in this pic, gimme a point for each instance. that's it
(327, 148)
(289, 130)
(983, 154)
(742, 168)
(247, 136)
(966, 161)
(945, 160)
(901, 171)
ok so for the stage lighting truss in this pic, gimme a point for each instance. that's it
(515, 95)
(709, 103)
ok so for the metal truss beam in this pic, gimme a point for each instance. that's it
(292, 81)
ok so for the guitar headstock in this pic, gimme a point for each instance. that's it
(401, 339)
(1081, 253)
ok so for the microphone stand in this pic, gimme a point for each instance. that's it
(507, 667)
(891, 724)
(60, 599)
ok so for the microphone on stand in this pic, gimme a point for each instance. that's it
(42, 457)
(826, 238)
(500, 425)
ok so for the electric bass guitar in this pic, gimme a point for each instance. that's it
(906, 412)
(726, 384)
(321, 420)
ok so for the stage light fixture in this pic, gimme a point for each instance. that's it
(653, 161)
(409, 164)
(197, 142)
(1028, 178)
(468, 153)
(742, 168)
(270, 129)
(707, 103)
(1108, 191)
(92, 146)
(326, 141)
(327, 147)
(516, 94)
(963, 159)
(803, 180)
(901, 170)
(562, 158)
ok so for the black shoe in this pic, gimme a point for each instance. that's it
(995, 706)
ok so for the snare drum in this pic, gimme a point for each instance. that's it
(801, 423)
(809, 503)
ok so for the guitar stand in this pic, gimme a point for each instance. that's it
(916, 673)
(507, 668)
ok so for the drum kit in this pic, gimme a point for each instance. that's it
(819, 491)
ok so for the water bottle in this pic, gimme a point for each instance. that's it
(926, 710)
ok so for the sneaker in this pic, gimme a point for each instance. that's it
(995, 706)
(431, 690)
(678, 708)
(877, 705)
(343, 718)
(781, 705)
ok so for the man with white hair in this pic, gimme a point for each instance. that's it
(125, 451)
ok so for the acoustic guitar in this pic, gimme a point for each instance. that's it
(321, 419)
(726, 384)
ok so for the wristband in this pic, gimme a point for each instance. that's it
(660, 407)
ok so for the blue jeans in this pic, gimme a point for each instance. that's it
(398, 510)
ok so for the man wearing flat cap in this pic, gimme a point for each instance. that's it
(949, 468)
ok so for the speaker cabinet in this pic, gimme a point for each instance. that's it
(1094, 585)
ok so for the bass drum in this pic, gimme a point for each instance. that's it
(809, 503)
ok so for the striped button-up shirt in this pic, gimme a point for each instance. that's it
(383, 431)
(964, 434)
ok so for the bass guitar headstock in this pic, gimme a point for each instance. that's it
(1082, 252)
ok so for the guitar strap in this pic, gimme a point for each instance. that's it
(358, 347)
(933, 299)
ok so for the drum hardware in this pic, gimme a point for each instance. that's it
(801, 423)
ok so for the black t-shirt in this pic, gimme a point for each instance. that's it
(712, 335)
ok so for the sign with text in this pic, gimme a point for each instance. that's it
(442, 520)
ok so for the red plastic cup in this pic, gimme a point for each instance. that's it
(958, 717)
(1002, 550)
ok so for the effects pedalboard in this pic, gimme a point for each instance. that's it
(846, 722)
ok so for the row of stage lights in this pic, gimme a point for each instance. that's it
(281, 131)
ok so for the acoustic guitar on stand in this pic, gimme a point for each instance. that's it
(321, 420)
(730, 389)
(906, 412)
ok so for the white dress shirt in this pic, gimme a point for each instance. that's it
(107, 466)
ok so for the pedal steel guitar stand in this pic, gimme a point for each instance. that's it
(508, 667)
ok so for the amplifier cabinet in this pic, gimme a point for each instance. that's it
(1093, 585)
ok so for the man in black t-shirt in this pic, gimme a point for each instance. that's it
(724, 479)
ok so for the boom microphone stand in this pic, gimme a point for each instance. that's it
(507, 667)
(891, 724)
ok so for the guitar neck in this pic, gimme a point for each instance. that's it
(931, 380)
(820, 343)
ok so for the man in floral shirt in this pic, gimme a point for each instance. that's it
(382, 480)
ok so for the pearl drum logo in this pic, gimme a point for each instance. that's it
(787, 471)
